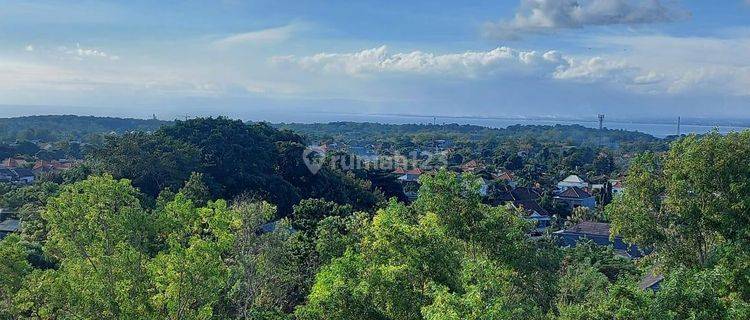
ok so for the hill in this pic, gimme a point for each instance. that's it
(69, 127)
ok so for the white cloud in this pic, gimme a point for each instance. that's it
(29, 48)
(596, 69)
(539, 16)
(81, 53)
(271, 35)
(467, 64)
(676, 73)
(501, 61)
(689, 65)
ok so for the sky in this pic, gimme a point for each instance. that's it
(513, 58)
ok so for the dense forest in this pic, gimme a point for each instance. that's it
(69, 127)
(370, 133)
(213, 218)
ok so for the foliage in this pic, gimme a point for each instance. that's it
(432, 258)
(152, 161)
(233, 158)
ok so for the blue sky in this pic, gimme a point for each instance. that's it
(562, 58)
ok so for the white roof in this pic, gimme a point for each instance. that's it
(574, 179)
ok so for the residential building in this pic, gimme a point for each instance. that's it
(527, 199)
(651, 282)
(534, 212)
(9, 226)
(617, 187)
(16, 175)
(409, 175)
(599, 233)
(484, 186)
(13, 163)
(507, 177)
(471, 166)
(576, 197)
(572, 181)
(41, 166)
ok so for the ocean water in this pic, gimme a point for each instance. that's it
(660, 130)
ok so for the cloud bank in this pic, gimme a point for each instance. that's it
(673, 72)
(501, 61)
(541, 16)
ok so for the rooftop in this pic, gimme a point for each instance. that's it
(574, 179)
(590, 228)
(574, 192)
(10, 225)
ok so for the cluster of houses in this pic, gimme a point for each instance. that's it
(21, 171)
(573, 192)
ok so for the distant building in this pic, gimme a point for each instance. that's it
(576, 197)
(409, 180)
(651, 282)
(534, 212)
(409, 175)
(506, 177)
(16, 175)
(617, 187)
(470, 166)
(527, 199)
(484, 186)
(41, 166)
(597, 232)
(572, 181)
(9, 226)
(12, 163)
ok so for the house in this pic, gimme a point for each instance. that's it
(16, 175)
(41, 166)
(399, 171)
(576, 197)
(470, 166)
(9, 226)
(409, 180)
(597, 232)
(534, 212)
(651, 282)
(409, 175)
(506, 177)
(572, 181)
(13, 163)
(484, 187)
(527, 199)
(617, 187)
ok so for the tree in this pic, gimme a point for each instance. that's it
(237, 156)
(445, 254)
(96, 231)
(270, 275)
(13, 269)
(309, 212)
(692, 201)
(690, 208)
(195, 189)
(151, 161)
